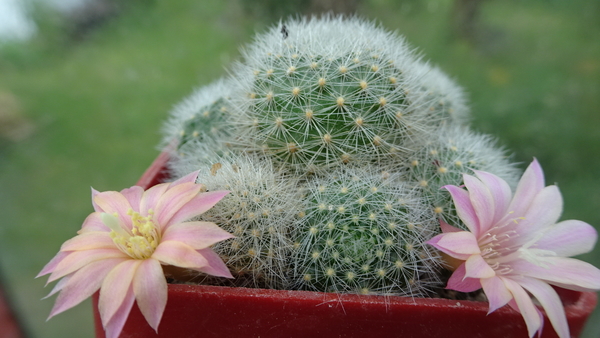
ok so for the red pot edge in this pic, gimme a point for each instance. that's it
(578, 305)
(156, 173)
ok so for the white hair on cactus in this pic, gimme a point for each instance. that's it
(260, 210)
(201, 116)
(334, 137)
(441, 95)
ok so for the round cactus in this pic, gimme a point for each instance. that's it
(260, 211)
(337, 90)
(363, 231)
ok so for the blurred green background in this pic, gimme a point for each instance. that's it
(81, 104)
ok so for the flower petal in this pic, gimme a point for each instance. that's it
(446, 228)
(197, 206)
(544, 211)
(93, 223)
(82, 284)
(459, 245)
(215, 266)
(96, 207)
(115, 325)
(115, 287)
(459, 282)
(75, 260)
(500, 191)
(151, 197)
(134, 196)
(568, 273)
(59, 286)
(112, 202)
(464, 208)
(150, 289)
(198, 235)
(522, 303)
(51, 266)
(179, 254)
(482, 202)
(531, 183)
(496, 292)
(88, 240)
(477, 267)
(568, 238)
(551, 303)
(189, 178)
(174, 199)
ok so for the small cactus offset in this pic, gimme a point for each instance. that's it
(363, 232)
(334, 139)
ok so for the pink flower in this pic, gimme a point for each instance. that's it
(122, 246)
(515, 248)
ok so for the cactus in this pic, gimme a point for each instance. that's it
(335, 91)
(363, 231)
(260, 211)
(334, 139)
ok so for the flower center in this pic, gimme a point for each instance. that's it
(141, 241)
(498, 246)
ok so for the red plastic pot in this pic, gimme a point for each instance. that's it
(214, 311)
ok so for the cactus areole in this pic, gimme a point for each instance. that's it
(219, 311)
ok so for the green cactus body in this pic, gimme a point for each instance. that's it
(206, 124)
(362, 234)
(318, 112)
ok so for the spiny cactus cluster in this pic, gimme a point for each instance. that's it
(334, 139)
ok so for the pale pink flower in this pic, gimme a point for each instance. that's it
(122, 246)
(515, 249)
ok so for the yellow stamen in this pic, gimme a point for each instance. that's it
(143, 239)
